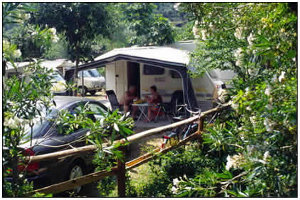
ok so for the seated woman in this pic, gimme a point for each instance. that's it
(154, 99)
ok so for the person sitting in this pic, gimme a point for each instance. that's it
(127, 101)
(153, 100)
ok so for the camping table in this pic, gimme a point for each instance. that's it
(143, 107)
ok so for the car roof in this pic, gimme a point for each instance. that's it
(62, 101)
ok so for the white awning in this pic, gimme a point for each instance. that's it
(165, 54)
(53, 64)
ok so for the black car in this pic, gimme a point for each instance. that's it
(47, 139)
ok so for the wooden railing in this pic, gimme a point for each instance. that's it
(122, 166)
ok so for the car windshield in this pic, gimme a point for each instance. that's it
(85, 74)
(94, 73)
(57, 77)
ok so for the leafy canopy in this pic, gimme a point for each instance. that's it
(79, 22)
(149, 28)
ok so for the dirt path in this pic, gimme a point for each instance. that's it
(143, 146)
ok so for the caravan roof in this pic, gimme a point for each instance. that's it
(50, 64)
(154, 53)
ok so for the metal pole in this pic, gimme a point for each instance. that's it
(82, 84)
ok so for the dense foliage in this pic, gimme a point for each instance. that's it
(18, 31)
(27, 100)
(170, 11)
(149, 28)
(114, 25)
(254, 151)
(79, 22)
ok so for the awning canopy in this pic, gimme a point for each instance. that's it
(160, 54)
(151, 55)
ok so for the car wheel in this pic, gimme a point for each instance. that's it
(76, 171)
(93, 92)
(84, 90)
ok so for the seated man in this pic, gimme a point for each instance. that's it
(127, 100)
(154, 99)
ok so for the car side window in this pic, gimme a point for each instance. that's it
(76, 109)
(98, 110)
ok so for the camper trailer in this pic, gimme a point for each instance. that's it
(123, 73)
(59, 83)
(166, 67)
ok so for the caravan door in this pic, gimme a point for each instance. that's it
(116, 77)
(121, 78)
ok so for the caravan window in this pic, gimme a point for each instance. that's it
(174, 74)
(152, 70)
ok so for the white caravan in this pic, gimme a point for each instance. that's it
(165, 67)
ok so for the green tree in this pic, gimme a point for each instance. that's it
(57, 50)
(22, 99)
(251, 149)
(170, 11)
(32, 41)
(185, 32)
(149, 28)
(80, 23)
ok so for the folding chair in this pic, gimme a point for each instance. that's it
(112, 97)
(159, 111)
(177, 103)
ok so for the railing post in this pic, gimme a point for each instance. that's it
(200, 125)
(121, 178)
(200, 129)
